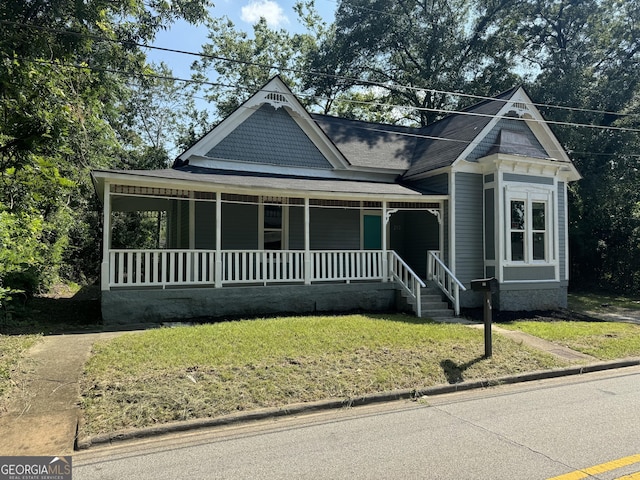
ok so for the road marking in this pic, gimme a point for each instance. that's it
(632, 476)
(603, 467)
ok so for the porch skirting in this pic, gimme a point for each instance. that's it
(136, 306)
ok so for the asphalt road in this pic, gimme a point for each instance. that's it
(537, 430)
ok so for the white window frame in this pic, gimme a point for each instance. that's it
(530, 195)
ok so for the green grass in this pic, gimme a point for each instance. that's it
(12, 351)
(599, 302)
(162, 375)
(603, 340)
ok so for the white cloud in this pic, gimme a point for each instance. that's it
(270, 10)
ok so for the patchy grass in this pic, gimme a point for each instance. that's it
(603, 340)
(601, 303)
(181, 373)
(12, 350)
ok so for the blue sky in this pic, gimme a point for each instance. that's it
(243, 13)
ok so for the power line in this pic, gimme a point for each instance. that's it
(427, 109)
(379, 130)
(333, 76)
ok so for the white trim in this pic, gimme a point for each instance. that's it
(452, 222)
(106, 238)
(566, 233)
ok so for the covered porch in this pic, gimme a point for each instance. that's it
(213, 236)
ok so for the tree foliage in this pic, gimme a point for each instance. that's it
(61, 91)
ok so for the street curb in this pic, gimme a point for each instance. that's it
(299, 408)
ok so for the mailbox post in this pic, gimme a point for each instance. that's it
(488, 286)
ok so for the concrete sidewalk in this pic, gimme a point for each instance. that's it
(42, 416)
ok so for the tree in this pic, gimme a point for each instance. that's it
(63, 67)
(587, 54)
(416, 50)
(242, 64)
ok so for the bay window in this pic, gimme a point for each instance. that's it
(529, 238)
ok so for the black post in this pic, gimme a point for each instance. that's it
(487, 325)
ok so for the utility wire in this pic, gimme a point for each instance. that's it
(416, 130)
(318, 73)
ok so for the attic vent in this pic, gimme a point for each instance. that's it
(277, 99)
(519, 109)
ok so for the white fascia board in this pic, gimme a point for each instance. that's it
(278, 95)
(353, 173)
(180, 184)
(527, 166)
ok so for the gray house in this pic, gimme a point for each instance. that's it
(280, 210)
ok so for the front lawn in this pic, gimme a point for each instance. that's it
(163, 375)
(603, 340)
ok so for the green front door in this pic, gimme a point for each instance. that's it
(372, 238)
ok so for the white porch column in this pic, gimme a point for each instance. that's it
(218, 267)
(307, 243)
(106, 237)
(385, 260)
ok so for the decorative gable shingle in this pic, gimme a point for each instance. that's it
(270, 136)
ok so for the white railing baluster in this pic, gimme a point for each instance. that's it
(444, 279)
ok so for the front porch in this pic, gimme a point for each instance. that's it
(222, 253)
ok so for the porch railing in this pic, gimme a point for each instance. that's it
(138, 268)
(444, 278)
(407, 279)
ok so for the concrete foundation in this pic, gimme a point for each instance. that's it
(127, 307)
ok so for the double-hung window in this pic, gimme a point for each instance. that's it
(529, 238)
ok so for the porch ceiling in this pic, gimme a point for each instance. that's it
(215, 180)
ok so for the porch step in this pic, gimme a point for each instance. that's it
(432, 305)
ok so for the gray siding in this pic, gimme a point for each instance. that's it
(438, 184)
(205, 227)
(529, 273)
(468, 229)
(334, 229)
(270, 136)
(489, 225)
(515, 177)
(239, 226)
(562, 225)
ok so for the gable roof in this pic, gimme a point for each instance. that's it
(446, 139)
(273, 128)
(276, 94)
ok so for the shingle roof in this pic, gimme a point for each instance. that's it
(414, 150)
(446, 139)
(366, 144)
